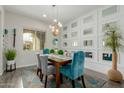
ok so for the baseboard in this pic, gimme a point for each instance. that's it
(21, 66)
(102, 68)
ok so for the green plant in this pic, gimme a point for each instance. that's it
(113, 38)
(10, 54)
(52, 51)
(60, 52)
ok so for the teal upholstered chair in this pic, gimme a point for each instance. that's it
(46, 51)
(75, 70)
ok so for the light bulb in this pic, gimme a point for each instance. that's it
(55, 20)
(59, 24)
(57, 30)
(53, 27)
(44, 15)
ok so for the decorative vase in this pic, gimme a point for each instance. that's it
(114, 74)
(10, 62)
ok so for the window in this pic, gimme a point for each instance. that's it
(33, 40)
(109, 11)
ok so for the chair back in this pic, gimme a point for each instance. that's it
(44, 61)
(38, 61)
(77, 65)
(46, 51)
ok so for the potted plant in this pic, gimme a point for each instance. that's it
(52, 51)
(113, 40)
(10, 55)
(60, 52)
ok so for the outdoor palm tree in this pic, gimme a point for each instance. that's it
(113, 40)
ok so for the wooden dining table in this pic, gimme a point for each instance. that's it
(58, 61)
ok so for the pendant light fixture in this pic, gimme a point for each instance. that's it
(55, 27)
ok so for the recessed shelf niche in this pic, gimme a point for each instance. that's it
(107, 56)
(89, 54)
(87, 42)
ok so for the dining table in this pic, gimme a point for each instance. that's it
(58, 61)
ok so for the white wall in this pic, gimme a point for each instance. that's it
(1, 38)
(96, 63)
(49, 40)
(24, 58)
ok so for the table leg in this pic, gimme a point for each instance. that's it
(57, 76)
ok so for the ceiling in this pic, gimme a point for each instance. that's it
(65, 13)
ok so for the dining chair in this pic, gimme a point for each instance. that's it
(46, 51)
(39, 67)
(75, 70)
(46, 69)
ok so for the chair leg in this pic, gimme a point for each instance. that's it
(79, 78)
(66, 77)
(41, 75)
(83, 81)
(73, 83)
(37, 71)
(61, 77)
(45, 81)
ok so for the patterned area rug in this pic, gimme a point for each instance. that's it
(31, 80)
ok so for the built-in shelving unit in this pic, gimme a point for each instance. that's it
(70, 36)
(107, 15)
(89, 36)
(65, 37)
(86, 33)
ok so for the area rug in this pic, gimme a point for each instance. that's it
(31, 80)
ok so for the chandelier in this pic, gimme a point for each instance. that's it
(55, 27)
